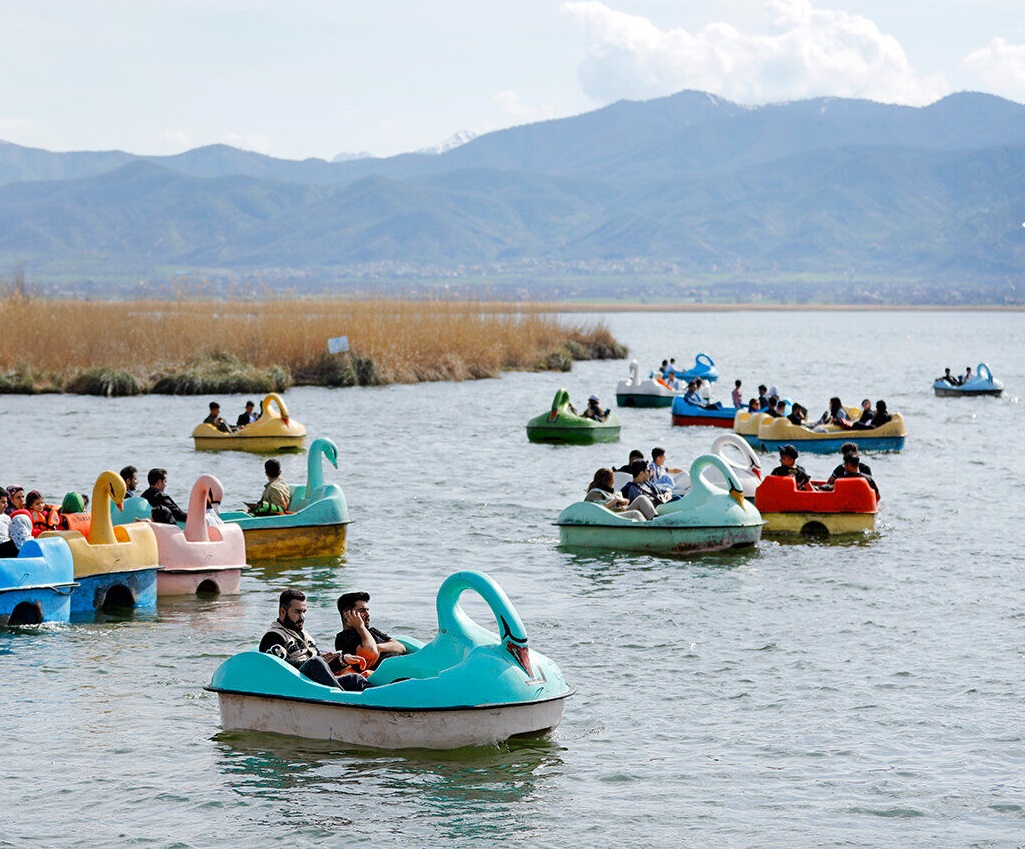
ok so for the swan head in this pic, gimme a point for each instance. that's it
(110, 485)
(515, 645)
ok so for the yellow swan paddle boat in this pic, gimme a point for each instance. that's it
(273, 431)
(114, 566)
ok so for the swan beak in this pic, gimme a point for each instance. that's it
(522, 655)
(738, 496)
(285, 420)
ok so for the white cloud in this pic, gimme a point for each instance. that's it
(805, 52)
(258, 142)
(173, 141)
(509, 102)
(1000, 66)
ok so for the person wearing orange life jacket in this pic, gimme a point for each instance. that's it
(45, 517)
(357, 637)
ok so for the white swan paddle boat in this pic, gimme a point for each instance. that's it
(468, 686)
(707, 518)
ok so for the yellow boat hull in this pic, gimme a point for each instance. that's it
(830, 523)
(309, 541)
(259, 444)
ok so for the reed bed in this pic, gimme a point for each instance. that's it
(195, 347)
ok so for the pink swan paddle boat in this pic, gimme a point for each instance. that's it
(200, 558)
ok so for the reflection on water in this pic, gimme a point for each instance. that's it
(446, 793)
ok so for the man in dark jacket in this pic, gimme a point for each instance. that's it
(165, 510)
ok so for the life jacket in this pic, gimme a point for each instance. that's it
(299, 647)
(47, 519)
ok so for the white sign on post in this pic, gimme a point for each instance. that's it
(338, 345)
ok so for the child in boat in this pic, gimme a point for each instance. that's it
(276, 495)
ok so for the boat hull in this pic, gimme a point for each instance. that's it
(570, 435)
(808, 523)
(289, 542)
(35, 605)
(643, 400)
(832, 444)
(136, 589)
(386, 728)
(256, 444)
(172, 582)
(660, 540)
(725, 420)
(971, 393)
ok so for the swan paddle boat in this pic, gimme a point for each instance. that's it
(316, 523)
(114, 566)
(560, 425)
(200, 558)
(685, 414)
(703, 367)
(980, 383)
(36, 586)
(273, 431)
(736, 453)
(827, 439)
(652, 392)
(849, 508)
(707, 518)
(468, 686)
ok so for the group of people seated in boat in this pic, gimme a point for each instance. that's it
(359, 648)
(835, 415)
(23, 516)
(956, 380)
(246, 417)
(651, 483)
(851, 467)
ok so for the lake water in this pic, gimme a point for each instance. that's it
(862, 693)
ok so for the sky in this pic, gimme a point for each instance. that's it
(317, 78)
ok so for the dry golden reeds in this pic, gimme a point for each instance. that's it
(53, 341)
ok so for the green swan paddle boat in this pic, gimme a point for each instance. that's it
(707, 518)
(561, 425)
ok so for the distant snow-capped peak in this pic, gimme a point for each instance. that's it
(452, 142)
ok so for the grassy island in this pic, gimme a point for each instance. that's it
(202, 347)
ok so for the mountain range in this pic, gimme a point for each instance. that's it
(662, 197)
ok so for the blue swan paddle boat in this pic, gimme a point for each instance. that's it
(466, 687)
(36, 586)
(707, 518)
(703, 367)
(980, 383)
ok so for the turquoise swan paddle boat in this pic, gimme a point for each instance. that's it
(707, 518)
(36, 586)
(468, 686)
(561, 425)
(315, 525)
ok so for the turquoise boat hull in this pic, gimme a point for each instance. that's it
(643, 400)
(468, 686)
(37, 585)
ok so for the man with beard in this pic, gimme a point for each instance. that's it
(288, 639)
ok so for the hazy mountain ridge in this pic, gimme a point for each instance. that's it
(831, 187)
